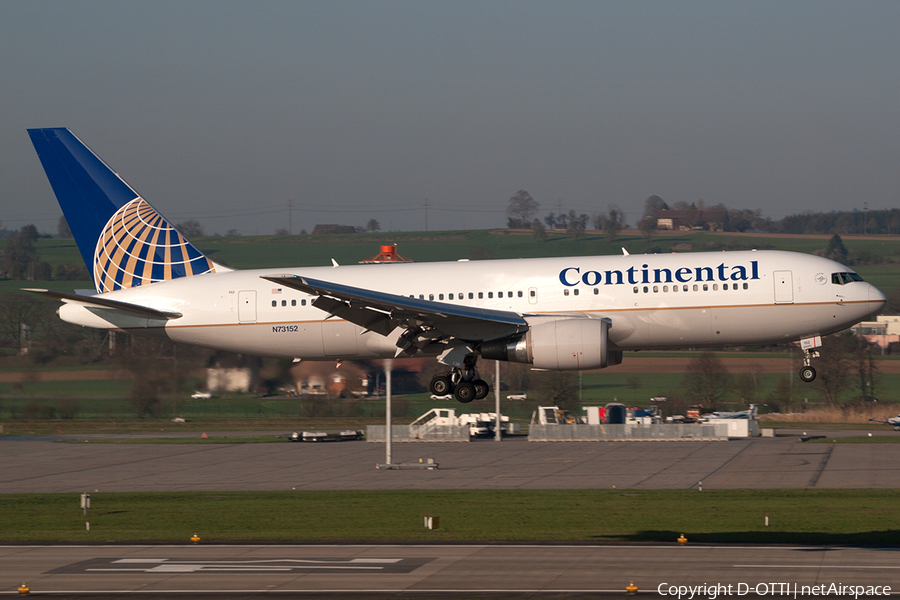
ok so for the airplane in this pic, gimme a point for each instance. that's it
(740, 414)
(573, 313)
(892, 421)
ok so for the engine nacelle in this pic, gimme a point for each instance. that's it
(563, 345)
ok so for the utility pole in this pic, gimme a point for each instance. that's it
(291, 216)
(425, 205)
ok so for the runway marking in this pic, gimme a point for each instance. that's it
(306, 565)
(815, 567)
(749, 460)
(379, 591)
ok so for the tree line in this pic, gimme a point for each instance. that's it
(522, 211)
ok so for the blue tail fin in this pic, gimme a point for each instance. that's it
(123, 240)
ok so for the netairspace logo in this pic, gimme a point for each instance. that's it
(713, 591)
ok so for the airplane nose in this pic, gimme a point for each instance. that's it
(877, 300)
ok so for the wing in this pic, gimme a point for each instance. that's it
(423, 320)
(99, 300)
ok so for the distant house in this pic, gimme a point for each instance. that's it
(884, 331)
(232, 373)
(323, 229)
(692, 218)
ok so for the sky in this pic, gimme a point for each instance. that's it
(225, 112)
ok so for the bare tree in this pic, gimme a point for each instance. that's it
(559, 388)
(613, 222)
(707, 380)
(832, 369)
(538, 231)
(373, 225)
(190, 229)
(521, 209)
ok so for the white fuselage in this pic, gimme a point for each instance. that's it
(653, 301)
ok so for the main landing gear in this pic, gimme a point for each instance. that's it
(464, 384)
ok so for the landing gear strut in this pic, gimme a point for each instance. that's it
(807, 372)
(464, 384)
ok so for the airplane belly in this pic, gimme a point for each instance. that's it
(340, 338)
(674, 328)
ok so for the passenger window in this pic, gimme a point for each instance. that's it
(421, 296)
(596, 291)
(665, 288)
(440, 296)
(724, 286)
(705, 287)
(532, 293)
(715, 287)
(490, 294)
(576, 291)
(520, 293)
(293, 303)
(695, 287)
(471, 296)
(566, 292)
(646, 289)
(480, 295)
(303, 302)
(674, 288)
(284, 302)
(274, 303)
(746, 286)
(635, 290)
(431, 296)
(450, 297)
(655, 289)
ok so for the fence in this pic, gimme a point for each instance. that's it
(408, 433)
(623, 433)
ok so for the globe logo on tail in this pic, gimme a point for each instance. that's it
(138, 247)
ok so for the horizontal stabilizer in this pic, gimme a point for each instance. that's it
(99, 300)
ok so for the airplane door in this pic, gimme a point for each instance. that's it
(247, 306)
(784, 287)
(532, 295)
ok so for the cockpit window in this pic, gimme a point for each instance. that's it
(842, 278)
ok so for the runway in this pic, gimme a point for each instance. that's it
(437, 571)
(461, 571)
(760, 463)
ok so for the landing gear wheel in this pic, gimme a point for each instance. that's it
(807, 374)
(465, 392)
(440, 385)
(481, 389)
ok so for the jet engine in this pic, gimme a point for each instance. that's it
(562, 345)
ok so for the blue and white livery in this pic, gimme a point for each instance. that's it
(554, 313)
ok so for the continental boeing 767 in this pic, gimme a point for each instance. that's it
(553, 313)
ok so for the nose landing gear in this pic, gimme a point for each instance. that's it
(807, 372)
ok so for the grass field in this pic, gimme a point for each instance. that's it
(109, 399)
(243, 439)
(864, 517)
(860, 439)
(246, 252)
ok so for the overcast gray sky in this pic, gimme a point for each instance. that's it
(223, 111)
